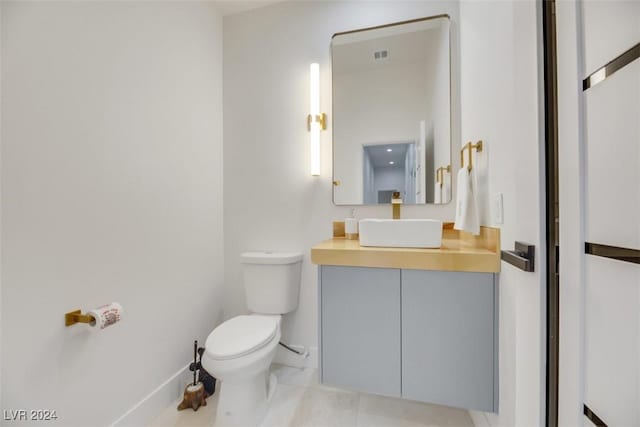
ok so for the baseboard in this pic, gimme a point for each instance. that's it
(286, 357)
(479, 419)
(143, 412)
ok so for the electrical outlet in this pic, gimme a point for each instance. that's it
(497, 209)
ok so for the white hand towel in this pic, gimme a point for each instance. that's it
(437, 193)
(466, 205)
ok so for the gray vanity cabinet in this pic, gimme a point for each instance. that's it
(422, 335)
(448, 338)
(360, 324)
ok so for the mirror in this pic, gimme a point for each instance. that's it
(392, 113)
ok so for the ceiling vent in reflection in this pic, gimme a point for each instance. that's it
(381, 55)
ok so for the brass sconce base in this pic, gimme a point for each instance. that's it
(319, 118)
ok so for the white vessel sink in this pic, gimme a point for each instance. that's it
(401, 233)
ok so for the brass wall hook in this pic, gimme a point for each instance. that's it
(440, 174)
(76, 316)
(470, 146)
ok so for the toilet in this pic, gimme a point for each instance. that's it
(238, 352)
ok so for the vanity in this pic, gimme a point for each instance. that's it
(413, 323)
(420, 324)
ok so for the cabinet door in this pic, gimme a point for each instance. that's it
(360, 318)
(448, 338)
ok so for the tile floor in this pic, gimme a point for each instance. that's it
(301, 401)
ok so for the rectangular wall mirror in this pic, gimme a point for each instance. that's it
(392, 113)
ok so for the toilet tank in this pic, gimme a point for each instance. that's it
(271, 281)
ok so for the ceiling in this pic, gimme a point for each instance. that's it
(229, 7)
(380, 157)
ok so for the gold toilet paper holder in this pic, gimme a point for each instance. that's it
(76, 316)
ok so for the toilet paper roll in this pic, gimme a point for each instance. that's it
(351, 226)
(106, 315)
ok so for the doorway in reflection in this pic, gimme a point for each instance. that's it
(387, 168)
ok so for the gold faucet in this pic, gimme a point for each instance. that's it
(396, 201)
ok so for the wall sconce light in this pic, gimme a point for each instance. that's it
(316, 121)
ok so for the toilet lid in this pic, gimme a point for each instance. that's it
(239, 336)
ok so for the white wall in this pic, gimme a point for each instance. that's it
(1, 234)
(271, 201)
(500, 104)
(111, 191)
(389, 178)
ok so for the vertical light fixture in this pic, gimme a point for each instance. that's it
(316, 121)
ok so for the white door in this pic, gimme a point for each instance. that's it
(599, 169)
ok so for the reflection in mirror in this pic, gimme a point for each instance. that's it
(391, 113)
(388, 168)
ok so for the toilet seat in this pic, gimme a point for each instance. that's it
(240, 336)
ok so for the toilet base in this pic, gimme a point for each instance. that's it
(244, 403)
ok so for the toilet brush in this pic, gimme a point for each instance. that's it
(194, 394)
(195, 355)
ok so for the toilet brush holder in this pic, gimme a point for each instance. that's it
(195, 394)
(194, 397)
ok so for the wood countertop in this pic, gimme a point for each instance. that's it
(460, 251)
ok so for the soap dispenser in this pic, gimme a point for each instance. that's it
(351, 226)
